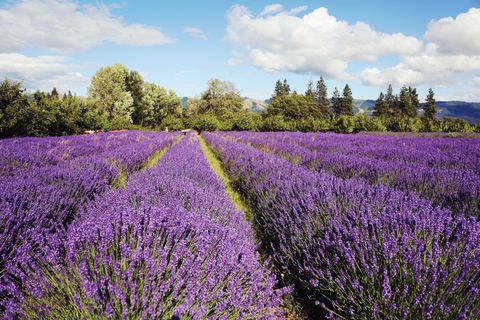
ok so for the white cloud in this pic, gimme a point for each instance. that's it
(476, 80)
(453, 50)
(237, 59)
(271, 9)
(298, 10)
(194, 32)
(66, 26)
(42, 72)
(460, 35)
(314, 43)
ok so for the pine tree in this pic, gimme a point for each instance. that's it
(322, 97)
(278, 89)
(286, 87)
(347, 101)
(336, 103)
(281, 89)
(414, 103)
(391, 100)
(309, 92)
(430, 109)
(380, 109)
(405, 106)
(54, 93)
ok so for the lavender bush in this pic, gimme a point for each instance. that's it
(445, 171)
(46, 182)
(358, 251)
(170, 245)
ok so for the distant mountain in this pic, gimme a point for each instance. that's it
(255, 105)
(469, 111)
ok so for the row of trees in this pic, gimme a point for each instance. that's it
(119, 98)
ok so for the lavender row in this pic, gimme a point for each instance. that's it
(20, 154)
(447, 153)
(358, 251)
(36, 205)
(454, 188)
(170, 245)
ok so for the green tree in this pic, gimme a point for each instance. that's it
(346, 105)
(381, 109)
(13, 104)
(391, 100)
(134, 84)
(406, 107)
(310, 92)
(321, 95)
(109, 88)
(220, 97)
(336, 103)
(430, 109)
(281, 89)
(294, 107)
(158, 103)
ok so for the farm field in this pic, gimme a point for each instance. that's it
(239, 225)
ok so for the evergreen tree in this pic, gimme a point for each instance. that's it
(336, 103)
(54, 93)
(322, 97)
(430, 109)
(281, 89)
(309, 92)
(286, 87)
(405, 105)
(391, 100)
(381, 107)
(346, 103)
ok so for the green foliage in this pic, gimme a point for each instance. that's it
(430, 125)
(336, 103)
(110, 91)
(363, 123)
(281, 89)
(294, 107)
(13, 104)
(449, 124)
(173, 123)
(430, 109)
(321, 95)
(206, 122)
(158, 103)
(220, 97)
(346, 104)
(476, 128)
(402, 124)
(276, 123)
(344, 124)
(381, 108)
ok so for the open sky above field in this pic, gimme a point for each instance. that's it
(182, 44)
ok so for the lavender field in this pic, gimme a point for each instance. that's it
(239, 225)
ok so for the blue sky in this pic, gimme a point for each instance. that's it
(182, 44)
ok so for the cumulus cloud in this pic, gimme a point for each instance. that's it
(194, 32)
(453, 49)
(67, 26)
(459, 35)
(314, 43)
(42, 72)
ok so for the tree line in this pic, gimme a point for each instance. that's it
(315, 111)
(119, 98)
